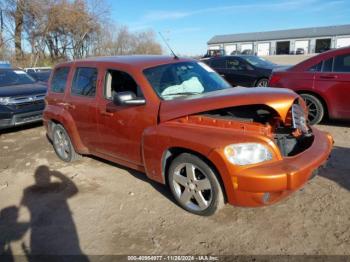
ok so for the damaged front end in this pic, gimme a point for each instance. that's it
(292, 135)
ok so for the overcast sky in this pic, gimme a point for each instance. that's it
(189, 24)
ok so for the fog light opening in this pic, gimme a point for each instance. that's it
(266, 197)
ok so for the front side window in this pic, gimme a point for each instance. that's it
(117, 81)
(84, 83)
(342, 63)
(184, 79)
(59, 80)
(10, 77)
(328, 65)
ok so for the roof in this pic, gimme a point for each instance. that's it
(282, 34)
(140, 61)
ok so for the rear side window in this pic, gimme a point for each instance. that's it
(235, 64)
(218, 63)
(84, 83)
(342, 63)
(327, 65)
(59, 80)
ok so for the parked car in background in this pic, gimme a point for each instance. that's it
(36, 69)
(323, 81)
(179, 122)
(214, 53)
(21, 98)
(300, 51)
(247, 52)
(5, 64)
(41, 76)
(243, 70)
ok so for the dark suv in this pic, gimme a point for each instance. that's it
(21, 98)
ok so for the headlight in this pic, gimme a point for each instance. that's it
(247, 153)
(4, 100)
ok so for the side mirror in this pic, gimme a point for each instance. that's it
(127, 98)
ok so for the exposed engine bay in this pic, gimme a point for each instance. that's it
(292, 136)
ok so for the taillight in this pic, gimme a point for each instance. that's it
(274, 80)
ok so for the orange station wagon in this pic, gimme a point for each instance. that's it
(184, 126)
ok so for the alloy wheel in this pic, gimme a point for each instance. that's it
(61, 143)
(192, 187)
(312, 108)
(262, 83)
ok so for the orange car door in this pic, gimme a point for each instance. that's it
(121, 127)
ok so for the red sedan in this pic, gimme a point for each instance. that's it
(324, 83)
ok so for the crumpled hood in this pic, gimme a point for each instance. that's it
(277, 98)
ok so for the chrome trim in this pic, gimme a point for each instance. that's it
(26, 99)
(298, 118)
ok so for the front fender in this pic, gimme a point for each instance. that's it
(204, 140)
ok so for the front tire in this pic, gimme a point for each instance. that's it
(315, 108)
(63, 145)
(194, 185)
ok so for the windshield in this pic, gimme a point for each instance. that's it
(183, 79)
(14, 77)
(258, 61)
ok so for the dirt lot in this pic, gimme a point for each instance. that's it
(95, 207)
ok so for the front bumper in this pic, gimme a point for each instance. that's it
(21, 119)
(269, 182)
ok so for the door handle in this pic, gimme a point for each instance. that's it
(70, 106)
(67, 105)
(329, 77)
(104, 113)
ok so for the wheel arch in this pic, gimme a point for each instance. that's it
(318, 96)
(72, 131)
(171, 153)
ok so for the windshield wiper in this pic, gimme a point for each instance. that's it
(182, 93)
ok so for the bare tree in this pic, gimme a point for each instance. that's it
(55, 30)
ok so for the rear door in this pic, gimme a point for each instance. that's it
(341, 93)
(219, 65)
(239, 72)
(81, 102)
(334, 83)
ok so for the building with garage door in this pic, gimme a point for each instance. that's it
(291, 41)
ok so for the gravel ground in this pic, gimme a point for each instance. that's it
(95, 207)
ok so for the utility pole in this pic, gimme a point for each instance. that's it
(1, 34)
(1, 27)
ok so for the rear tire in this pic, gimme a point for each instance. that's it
(63, 145)
(315, 108)
(195, 185)
(263, 82)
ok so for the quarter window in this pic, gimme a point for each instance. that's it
(342, 63)
(59, 80)
(316, 68)
(327, 65)
(84, 83)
